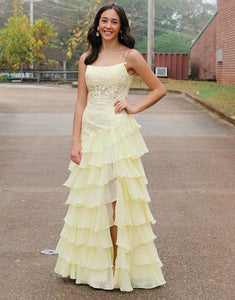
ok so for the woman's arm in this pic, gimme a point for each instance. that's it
(80, 106)
(136, 63)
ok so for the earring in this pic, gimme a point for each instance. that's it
(97, 32)
(121, 35)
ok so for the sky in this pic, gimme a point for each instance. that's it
(210, 1)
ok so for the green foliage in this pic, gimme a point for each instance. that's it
(3, 78)
(15, 42)
(185, 16)
(78, 33)
(72, 19)
(171, 42)
(175, 22)
(44, 34)
(137, 13)
(21, 44)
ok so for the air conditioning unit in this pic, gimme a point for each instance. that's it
(161, 71)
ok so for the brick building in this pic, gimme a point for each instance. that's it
(225, 42)
(213, 51)
(203, 52)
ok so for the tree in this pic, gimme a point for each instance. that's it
(171, 42)
(5, 11)
(43, 37)
(78, 38)
(183, 19)
(137, 13)
(72, 19)
(16, 40)
(21, 44)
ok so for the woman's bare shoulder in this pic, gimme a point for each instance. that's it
(134, 55)
(134, 58)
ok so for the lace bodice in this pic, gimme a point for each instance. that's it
(105, 85)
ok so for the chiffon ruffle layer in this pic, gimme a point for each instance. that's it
(110, 170)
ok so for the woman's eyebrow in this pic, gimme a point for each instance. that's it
(105, 18)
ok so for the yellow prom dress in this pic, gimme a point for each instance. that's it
(110, 170)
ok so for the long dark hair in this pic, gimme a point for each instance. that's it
(95, 42)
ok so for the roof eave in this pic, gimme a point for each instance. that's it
(204, 28)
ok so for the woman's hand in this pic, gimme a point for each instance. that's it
(76, 153)
(123, 104)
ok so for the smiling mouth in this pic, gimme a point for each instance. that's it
(107, 32)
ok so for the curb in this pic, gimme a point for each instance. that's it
(215, 110)
(210, 107)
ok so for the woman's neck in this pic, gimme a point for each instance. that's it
(111, 53)
(109, 46)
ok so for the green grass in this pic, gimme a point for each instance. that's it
(219, 95)
(3, 78)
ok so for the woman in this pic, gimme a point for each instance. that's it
(107, 240)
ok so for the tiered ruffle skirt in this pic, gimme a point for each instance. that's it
(110, 170)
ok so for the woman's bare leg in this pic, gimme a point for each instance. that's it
(113, 231)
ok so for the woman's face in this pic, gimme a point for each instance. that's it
(109, 24)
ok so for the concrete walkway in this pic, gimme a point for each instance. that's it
(191, 172)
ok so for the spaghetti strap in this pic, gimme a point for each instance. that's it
(125, 56)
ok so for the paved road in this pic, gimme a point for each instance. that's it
(191, 172)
